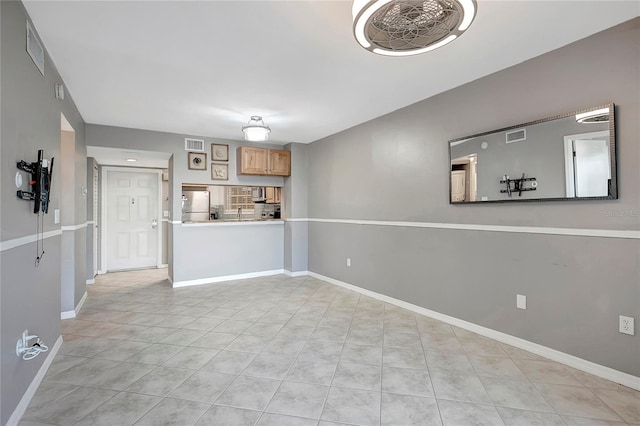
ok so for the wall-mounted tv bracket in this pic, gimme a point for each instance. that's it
(518, 185)
(40, 182)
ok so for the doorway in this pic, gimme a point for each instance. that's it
(131, 235)
(587, 164)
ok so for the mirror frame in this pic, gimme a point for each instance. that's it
(613, 187)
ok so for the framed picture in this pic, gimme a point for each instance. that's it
(219, 171)
(219, 152)
(197, 161)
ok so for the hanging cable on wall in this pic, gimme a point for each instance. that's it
(39, 239)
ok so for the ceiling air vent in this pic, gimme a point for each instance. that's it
(196, 145)
(516, 135)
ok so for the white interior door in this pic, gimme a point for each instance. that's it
(592, 170)
(132, 220)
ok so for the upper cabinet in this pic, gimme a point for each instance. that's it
(263, 161)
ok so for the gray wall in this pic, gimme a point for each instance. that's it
(202, 252)
(295, 206)
(29, 296)
(396, 168)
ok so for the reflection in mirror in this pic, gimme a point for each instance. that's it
(571, 156)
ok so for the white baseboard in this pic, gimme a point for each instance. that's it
(76, 311)
(178, 284)
(555, 355)
(35, 383)
(102, 272)
(91, 281)
(163, 265)
(296, 273)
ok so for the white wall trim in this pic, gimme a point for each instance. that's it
(17, 242)
(163, 266)
(296, 273)
(175, 222)
(178, 284)
(555, 355)
(579, 232)
(76, 311)
(91, 222)
(74, 227)
(91, 281)
(35, 383)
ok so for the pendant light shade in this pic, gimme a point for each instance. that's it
(410, 27)
(256, 130)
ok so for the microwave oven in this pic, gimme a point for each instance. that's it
(258, 194)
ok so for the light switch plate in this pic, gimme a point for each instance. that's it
(521, 301)
(165, 213)
(56, 216)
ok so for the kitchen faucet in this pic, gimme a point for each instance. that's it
(239, 212)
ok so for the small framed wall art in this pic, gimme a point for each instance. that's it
(197, 161)
(219, 171)
(219, 152)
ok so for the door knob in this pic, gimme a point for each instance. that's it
(154, 223)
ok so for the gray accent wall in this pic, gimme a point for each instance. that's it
(30, 297)
(395, 168)
(295, 206)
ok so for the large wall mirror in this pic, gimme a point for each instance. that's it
(566, 157)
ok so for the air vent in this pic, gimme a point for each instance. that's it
(516, 135)
(35, 49)
(196, 145)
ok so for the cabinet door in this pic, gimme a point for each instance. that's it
(252, 161)
(279, 163)
(278, 195)
(270, 195)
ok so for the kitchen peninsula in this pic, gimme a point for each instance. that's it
(227, 230)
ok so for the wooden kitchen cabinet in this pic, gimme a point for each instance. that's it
(279, 162)
(273, 195)
(263, 161)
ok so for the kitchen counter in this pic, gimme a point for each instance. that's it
(235, 222)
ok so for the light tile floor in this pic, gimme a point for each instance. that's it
(297, 351)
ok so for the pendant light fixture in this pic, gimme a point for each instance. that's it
(256, 130)
(410, 27)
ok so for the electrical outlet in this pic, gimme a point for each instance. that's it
(626, 325)
(348, 261)
(521, 301)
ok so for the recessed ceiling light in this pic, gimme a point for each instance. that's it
(409, 27)
(131, 160)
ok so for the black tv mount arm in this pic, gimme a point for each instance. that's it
(40, 182)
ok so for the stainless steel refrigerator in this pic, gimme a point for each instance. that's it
(195, 206)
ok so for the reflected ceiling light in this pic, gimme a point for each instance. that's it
(598, 116)
(410, 27)
(131, 160)
(256, 130)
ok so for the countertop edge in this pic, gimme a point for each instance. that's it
(241, 223)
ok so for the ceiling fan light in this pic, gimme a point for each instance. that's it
(256, 130)
(410, 27)
(596, 116)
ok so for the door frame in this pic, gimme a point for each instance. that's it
(103, 212)
(570, 186)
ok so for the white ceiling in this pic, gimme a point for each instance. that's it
(118, 157)
(202, 68)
